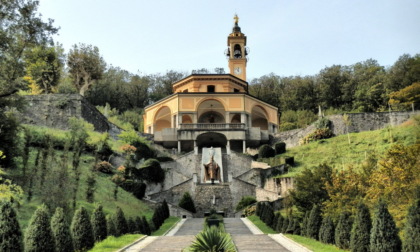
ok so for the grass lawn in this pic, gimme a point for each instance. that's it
(169, 223)
(114, 243)
(261, 225)
(339, 153)
(314, 245)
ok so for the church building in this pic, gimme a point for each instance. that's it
(213, 110)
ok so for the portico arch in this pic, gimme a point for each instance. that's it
(211, 139)
(259, 118)
(162, 118)
(211, 111)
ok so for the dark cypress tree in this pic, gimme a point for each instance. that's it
(285, 225)
(360, 234)
(343, 230)
(412, 229)
(131, 226)
(147, 229)
(305, 224)
(10, 233)
(291, 227)
(61, 232)
(187, 203)
(296, 227)
(275, 220)
(258, 209)
(156, 218)
(99, 225)
(38, 235)
(120, 223)
(384, 234)
(166, 209)
(327, 231)
(81, 229)
(110, 226)
(269, 215)
(279, 225)
(314, 222)
(139, 225)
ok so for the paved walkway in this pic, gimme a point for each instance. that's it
(246, 236)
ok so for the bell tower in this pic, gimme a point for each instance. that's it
(237, 51)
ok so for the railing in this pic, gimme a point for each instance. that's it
(212, 126)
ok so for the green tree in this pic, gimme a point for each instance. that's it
(279, 224)
(305, 224)
(187, 203)
(146, 228)
(10, 233)
(61, 232)
(360, 234)
(38, 235)
(285, 225)
(245, 201)
(343, 231)
(384, 234)
(266, 151)
(165, 208)
(85, 65)
(412, 228)
(120, 222)
(327, 230)
(161, 85)
(99, 224)
(110, 226)
(81, 229)
(314, 222)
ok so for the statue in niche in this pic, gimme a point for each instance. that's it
(212, 169)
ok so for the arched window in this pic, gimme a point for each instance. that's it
(237, 52)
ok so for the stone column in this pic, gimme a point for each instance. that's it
(179, 147)
(194, 119)
(244, 146)
(228, 147)
(195, 147)
(243, 119)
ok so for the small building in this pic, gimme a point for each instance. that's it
(213, 109)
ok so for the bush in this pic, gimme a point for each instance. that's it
(187, 203)
(132, 227)
(150, 171)
(212, 239)
(343, 230)
(318, 134)
(110, 226)
(323, 123)
(81, 229)
(61, 232)
(360, 234)
(165, 209)
(327, 231)
(39, 236)
(265, 151)
(412, 228)
(289, 160)
(10, 233)
(120, 223)
(384, 234)
(250, 210)
(137, 188)
(314, 222)
(99, 225)
(279, 225)
(104, 167)
(146, 226)
(245, 201)
(280, 148)
(164, 159)
(143, 151)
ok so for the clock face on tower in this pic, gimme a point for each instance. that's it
(237, 70)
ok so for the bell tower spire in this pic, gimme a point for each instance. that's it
(237, 51)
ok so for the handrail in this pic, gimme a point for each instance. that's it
(211, 126)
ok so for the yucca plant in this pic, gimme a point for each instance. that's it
(212, 240)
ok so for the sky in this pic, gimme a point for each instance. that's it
(285, 37)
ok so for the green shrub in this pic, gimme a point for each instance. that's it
(61, 232)
(245, 201)
(165, 208)
(38, 235)
(150, 171)
(285, 225)
(81, 229)
(137, 188)
(296, 227)
(120, 223)
(323, 123)
(280, 148)
(314, 222)
(279, 225)
(187, 203)
(384, 233)
(317, 134)
(412, 228)
(146, 227)
(99, 225)
(143, 151)
(10, 233)
(360, 234)
(158, 217)
(289, 160)
(131, 224)
(327, 231)
(265, 151)
(305, 224)
(212, 239)
(343, 230)
(104, 167)
(110, 226)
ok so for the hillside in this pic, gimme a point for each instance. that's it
(337, 151)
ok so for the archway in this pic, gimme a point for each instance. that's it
(162, 119)
(211, 111)
(186, 119)
(211, 139)
(259, 118)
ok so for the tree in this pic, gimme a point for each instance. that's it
(327, 231)
(161, 85)
(131, 224)
(165, 208)
(279, 224)
(61, 232)
(343, 230)
(360, 234)
(10, 233)
(187, 203)
(412, 228)
(86, 66)
(314, 222)
(139, 225)
(81, 229)
(405, 97)
(110, 226)
(99, 225)
(120, 223)
(38, 235)
(146, 228)
(305, 224)
(384, 234)
(43, 68)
